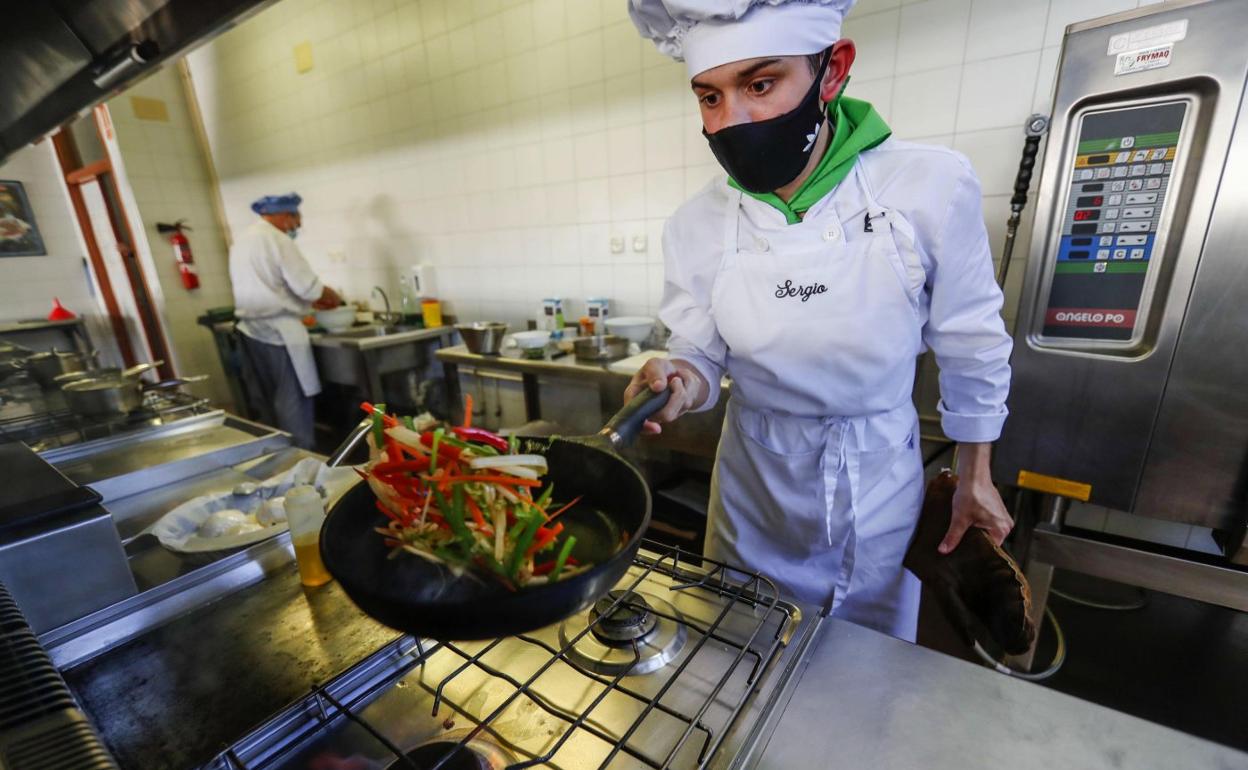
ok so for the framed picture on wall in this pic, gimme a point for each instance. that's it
(19, 235)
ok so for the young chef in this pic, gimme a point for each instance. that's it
(273, 287)
(813, 275)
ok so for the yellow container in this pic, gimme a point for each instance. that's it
(431, 311)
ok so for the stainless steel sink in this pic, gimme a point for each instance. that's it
(361, 355)
(371, 330)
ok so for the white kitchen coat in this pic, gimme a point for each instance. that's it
(818, 479)
(273, 290)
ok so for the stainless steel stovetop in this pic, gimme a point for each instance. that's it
(678, 667)
(45, 423)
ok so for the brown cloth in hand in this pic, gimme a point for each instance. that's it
(978, 585)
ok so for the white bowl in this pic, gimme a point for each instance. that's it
(531, 340)
(337, 320)
(632, 328)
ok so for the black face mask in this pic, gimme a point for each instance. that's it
(766, 155)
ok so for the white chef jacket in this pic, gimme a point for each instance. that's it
(937, 191)
(274, 287)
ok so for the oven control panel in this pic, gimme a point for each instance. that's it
(1122, 170)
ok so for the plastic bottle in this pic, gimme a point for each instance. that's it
(305, 512)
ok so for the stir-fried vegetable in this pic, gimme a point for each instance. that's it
(467, 498)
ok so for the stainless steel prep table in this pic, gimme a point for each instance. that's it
(696, 434)
(868, 700)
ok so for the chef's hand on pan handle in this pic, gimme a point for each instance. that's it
(688, 387)
(976, 503)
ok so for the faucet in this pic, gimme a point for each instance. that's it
(384, 298)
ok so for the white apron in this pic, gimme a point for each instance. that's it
(824, 505)
(299, 347)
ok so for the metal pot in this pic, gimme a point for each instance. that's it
(47, 365)
(600, 350)
(483, 337)
(103, 398)
(111, 372)
(116, 396)
(12, 352)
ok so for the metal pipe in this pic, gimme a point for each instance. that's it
(125, 64)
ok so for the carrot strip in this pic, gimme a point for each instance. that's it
(477, 515)
(502, 481)
(576, 500)
(468, 410)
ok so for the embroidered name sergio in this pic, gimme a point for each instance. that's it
(787, 289)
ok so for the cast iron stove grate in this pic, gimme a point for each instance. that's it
(771, 622)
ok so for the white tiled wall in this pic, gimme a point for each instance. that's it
(28, 284)
(507, 141)
(167, 174)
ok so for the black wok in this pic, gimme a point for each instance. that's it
(419, 597)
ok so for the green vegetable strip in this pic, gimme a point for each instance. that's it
(454, 515)
(409, 422)
(562, 558)
(513, 444)
(433, 450)
(545, 496)
(522, 545)
(379, 426)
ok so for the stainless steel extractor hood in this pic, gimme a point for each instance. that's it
(61, 57)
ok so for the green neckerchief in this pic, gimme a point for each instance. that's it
(856, 127)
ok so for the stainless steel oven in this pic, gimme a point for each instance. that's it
(1129, 366)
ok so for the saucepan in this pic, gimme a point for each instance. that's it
(47, 365)
(422, 598)
(114, 396)
(105, 373)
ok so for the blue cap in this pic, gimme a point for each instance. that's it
(277, 204)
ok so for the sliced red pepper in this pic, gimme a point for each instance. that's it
(482, 436)
(389, 420)
(389, 513)
(427, 439)
(543, 538)
(544, 569)
(413, 466)
(393, 451)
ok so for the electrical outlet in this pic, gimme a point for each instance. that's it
(639, 243)
(617, 244)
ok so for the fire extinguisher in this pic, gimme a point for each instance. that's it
(181, 252)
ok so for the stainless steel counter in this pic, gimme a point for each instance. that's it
(510, 360)
(141, 460)
(867, 700)
(175, 696)
(374, 336)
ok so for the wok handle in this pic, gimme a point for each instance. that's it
(349, 443)
(625, 426)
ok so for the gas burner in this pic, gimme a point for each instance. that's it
(637, 637)
(475, 754)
